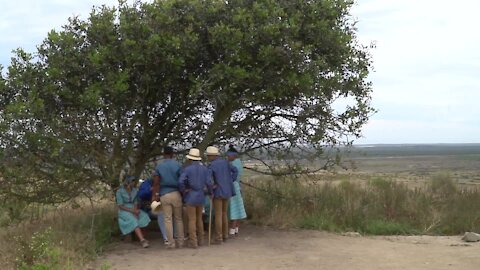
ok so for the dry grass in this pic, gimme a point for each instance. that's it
(62, 239)
(376, 206)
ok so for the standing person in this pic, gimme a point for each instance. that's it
(236, 208)
(165, 187)
(130, 217)
(145, 195)
(223, 174)
(193, 180)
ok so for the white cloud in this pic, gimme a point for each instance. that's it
(426, 69)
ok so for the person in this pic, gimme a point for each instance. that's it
(145, 195)
(223, 174)
(192, 183)
(165, 188)
(130, 217)
(236, 208)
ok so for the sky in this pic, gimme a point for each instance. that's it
(426, 77)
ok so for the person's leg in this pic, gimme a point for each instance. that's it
(185, 221)
(224, 219)
(167, 212)
(178, 216)
(199, 220)
(232, 228)
(217, 205)
(139, 234)
(192, 233)
(161, 225)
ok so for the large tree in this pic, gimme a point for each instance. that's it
(107, 93)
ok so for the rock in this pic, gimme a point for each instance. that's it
(471, 237)
(352, 234)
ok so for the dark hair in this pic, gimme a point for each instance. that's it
(168, 150)
(232, 149)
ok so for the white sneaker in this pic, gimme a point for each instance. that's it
(232, 231)
(236, 230)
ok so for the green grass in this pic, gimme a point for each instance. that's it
(374, 207)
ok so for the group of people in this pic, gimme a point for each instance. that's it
(183, 193)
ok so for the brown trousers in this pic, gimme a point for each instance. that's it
(195, 225)
(221, 219)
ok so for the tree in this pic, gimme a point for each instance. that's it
(104, 95)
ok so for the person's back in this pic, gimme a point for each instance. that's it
(223, 175)
(169, 171)
(165, 186)
(192, 182)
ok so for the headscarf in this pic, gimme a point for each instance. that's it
(129, 179)
(232, 151)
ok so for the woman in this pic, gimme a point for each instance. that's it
(130, 217)
(236, 209)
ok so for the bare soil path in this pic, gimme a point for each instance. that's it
(263, 248)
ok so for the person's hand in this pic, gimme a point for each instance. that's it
(136, 212)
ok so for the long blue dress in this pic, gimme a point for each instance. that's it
(127, 221)
(236, 209)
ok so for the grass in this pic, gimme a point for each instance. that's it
(64, 239)
(377, 206)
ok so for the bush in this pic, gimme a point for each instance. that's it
(378, 207)
(62, 241)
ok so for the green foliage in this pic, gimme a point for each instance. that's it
(381, 227)
(102, 96)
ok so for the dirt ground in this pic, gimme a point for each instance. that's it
(263, 248)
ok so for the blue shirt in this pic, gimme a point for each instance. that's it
(223, 174)
(145, 190)
(194, 178)
(169, 171)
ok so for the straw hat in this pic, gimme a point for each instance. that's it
(194, 154)
(156, 207)
(212, 151)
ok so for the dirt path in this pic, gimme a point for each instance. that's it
(259, 248)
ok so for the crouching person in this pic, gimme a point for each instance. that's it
(130, 217)
(192, 182)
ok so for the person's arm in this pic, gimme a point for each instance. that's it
(209, 183)
(182, 182)
(156, 188)
(233, 172)
(120, 203)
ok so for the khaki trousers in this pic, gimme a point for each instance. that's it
(221, 219)
(172, 207)
(195, 225)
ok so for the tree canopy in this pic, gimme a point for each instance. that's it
(106, 93)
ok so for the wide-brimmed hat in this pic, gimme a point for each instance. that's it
(212, 151)
(194, 154)
(156, 207)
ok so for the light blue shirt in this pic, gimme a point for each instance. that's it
(169, 171)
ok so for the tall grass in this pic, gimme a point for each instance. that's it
(63, 239)
(377, 207)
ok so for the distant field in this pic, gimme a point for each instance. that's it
(414, 164)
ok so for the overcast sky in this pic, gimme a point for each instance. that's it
(426, 77)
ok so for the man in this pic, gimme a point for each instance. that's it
(223, 175)
(193, 180)
(165, 187)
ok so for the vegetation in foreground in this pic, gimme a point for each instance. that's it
(380, 207)
(62, 239)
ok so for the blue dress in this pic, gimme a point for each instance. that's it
(127, 221)
(236, 209)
